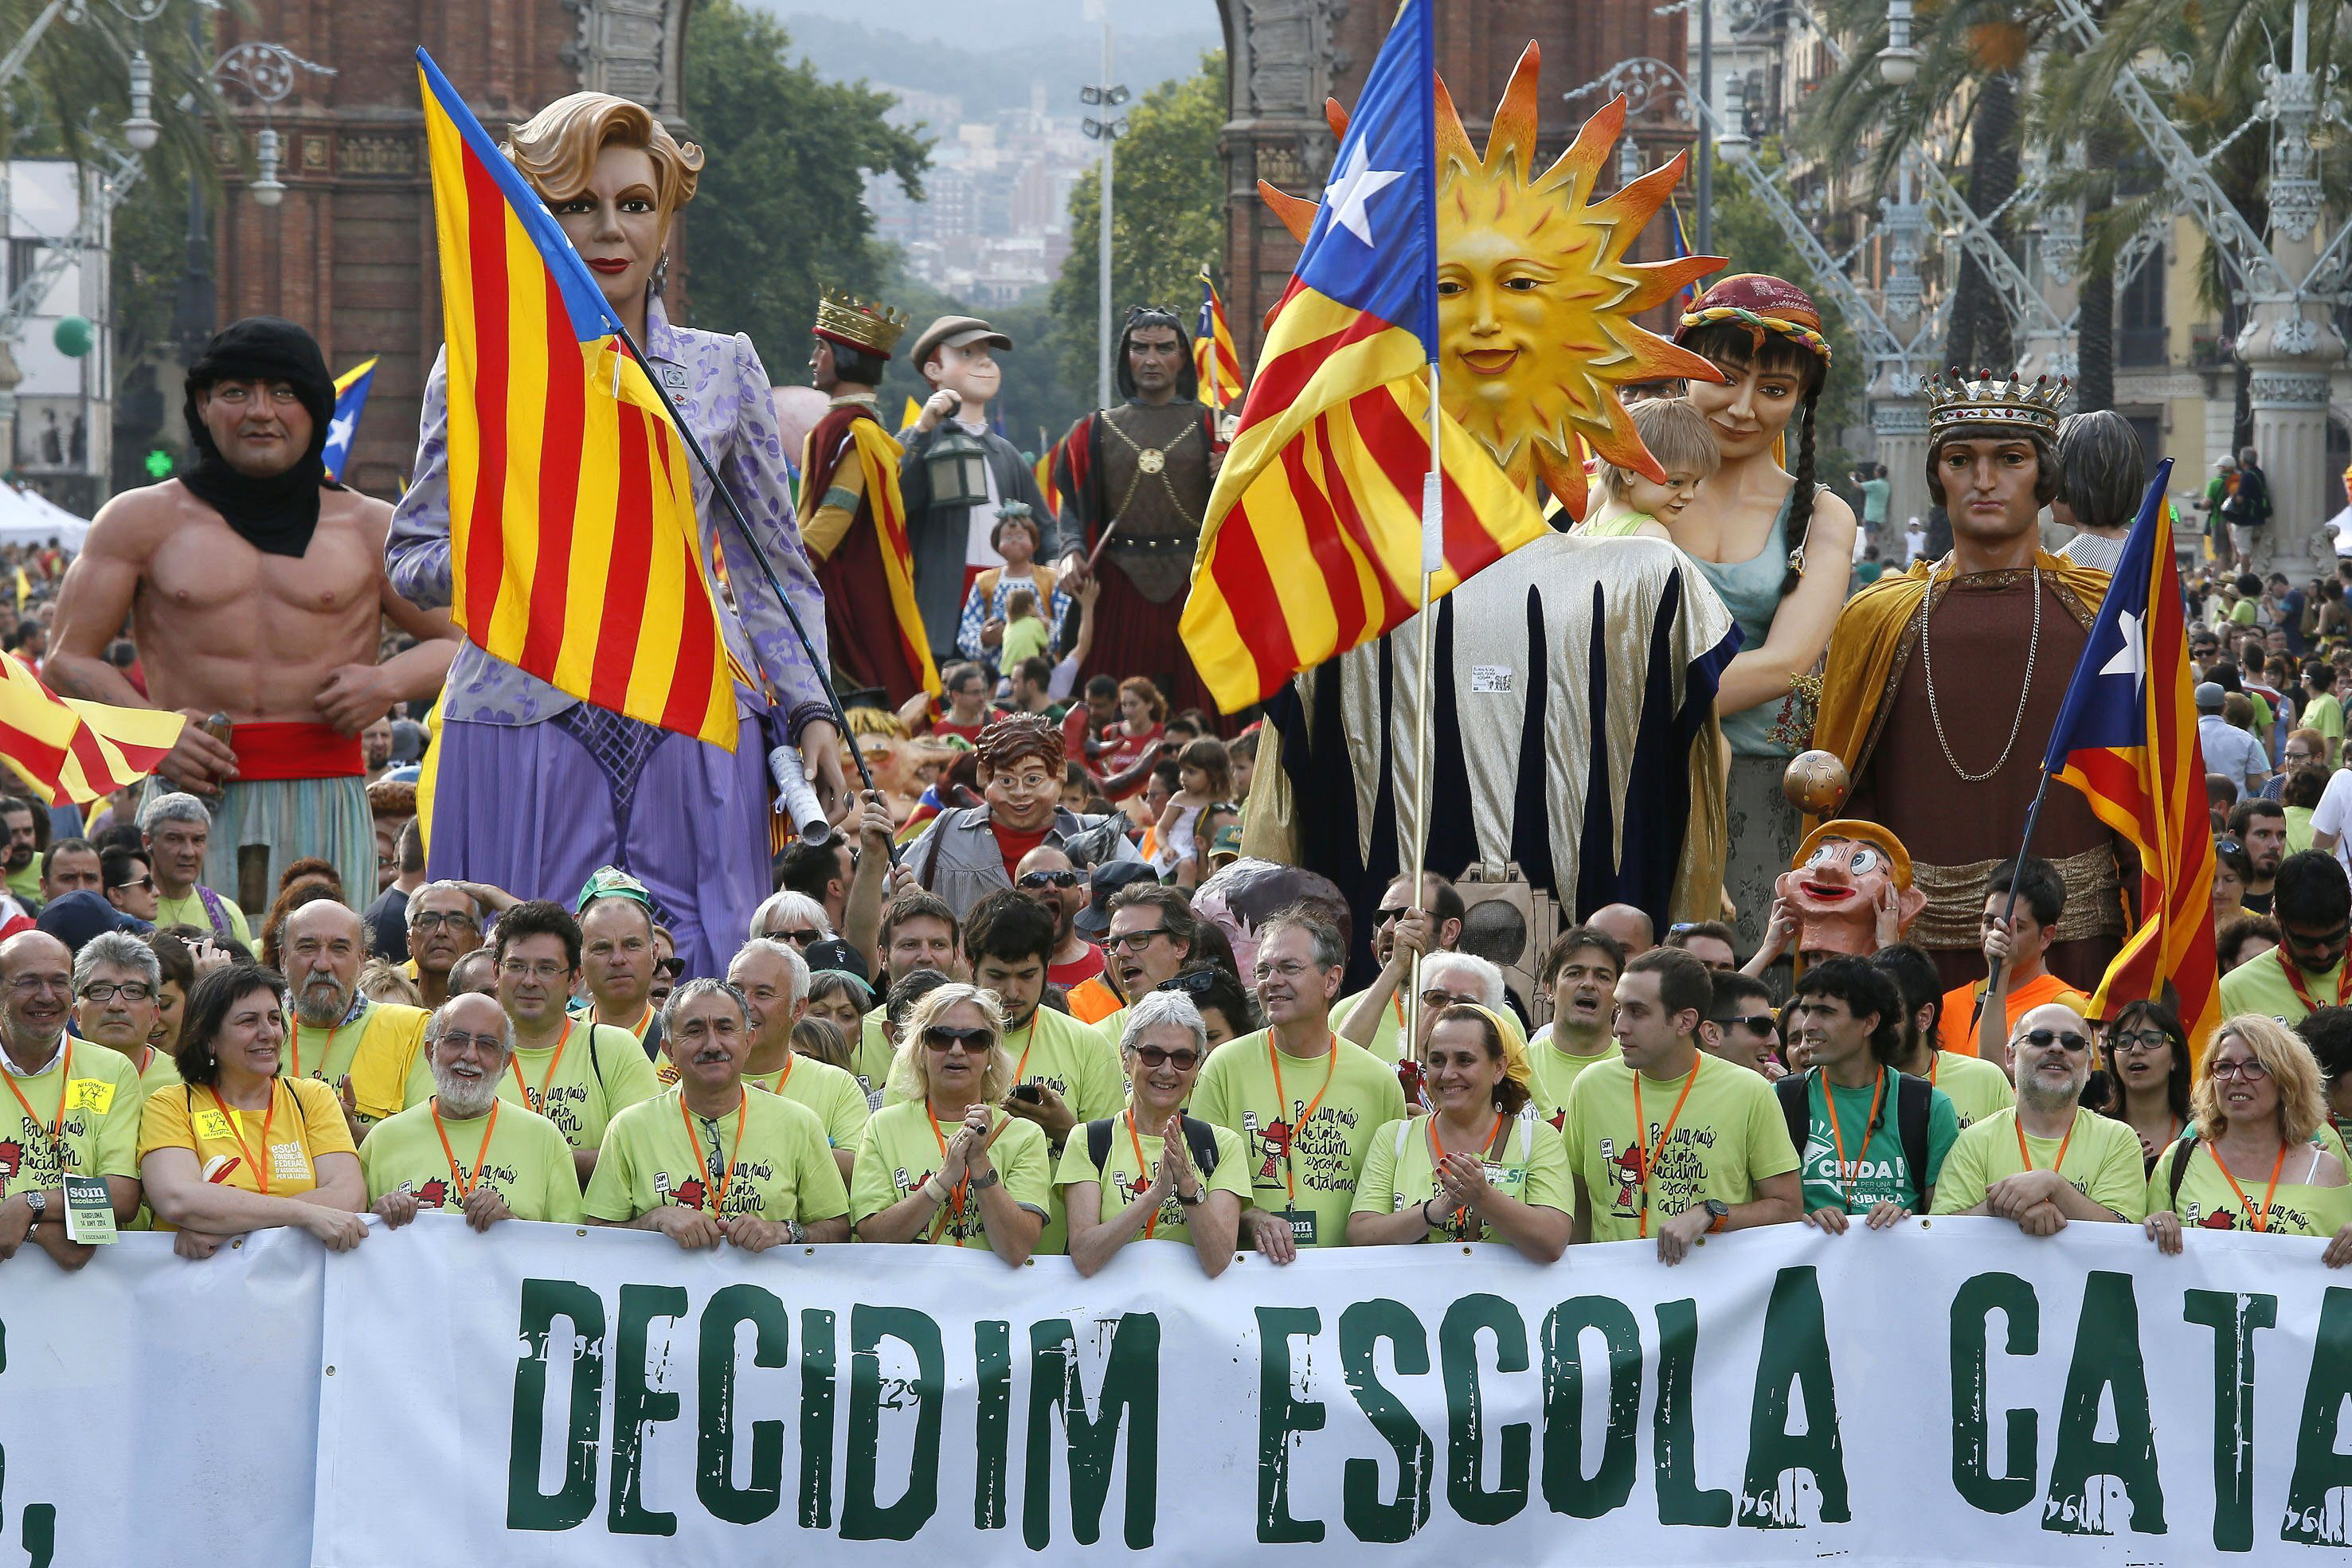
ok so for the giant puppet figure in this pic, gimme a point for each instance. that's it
(1574, 729)
(1134, 482)
(1943, 685)
(534, 789)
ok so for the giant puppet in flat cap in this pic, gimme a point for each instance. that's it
(1943, 685)
(256, 588)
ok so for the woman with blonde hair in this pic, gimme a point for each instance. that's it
(945, 1162)
(533, 788)
(2249, 1160)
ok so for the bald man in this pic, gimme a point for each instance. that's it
(77, 1110)
(2069, 1164)
(1631, 927)
(366, 1050)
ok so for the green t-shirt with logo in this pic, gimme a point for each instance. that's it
(766, 1159)
(1876, 1169)
(84, 1120)
(1300, 1161)
(526, 1162)
(1400, 1173)
(1728, 1135)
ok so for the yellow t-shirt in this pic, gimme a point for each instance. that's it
(160, 1072)
(869, 1058)
(97, 1133)
(902, 1149)
(833, 1094)
(374, 1053)
(1129, 1176)
(1110, 1026)
(525, 1161)
(303, 1122)
(580, 1082)
(1975, 1086)
(189, 911)
(1729, 1135)
(2206, 1201)
(1400, 1174)
(771, 1151)
(1300, 1159)
(2102, 1161)
(1552, 1073)
(2264, 986)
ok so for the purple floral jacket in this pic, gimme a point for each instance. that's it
(719, 383)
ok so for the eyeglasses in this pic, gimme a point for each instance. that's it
(2042, 1038)
(1048, 879)
(939, 1037)
(2229, 846)
(2248, 1071)
(1762, 1023)
(465, 1041)
(1437, 997)
(1153, 1056)
(1192, 982)
(434, 919)
(1135, 941)
(26, 985)
(2142, 1042)
(545, 970)
(1681, 928)
(146, 882)
(129, 990)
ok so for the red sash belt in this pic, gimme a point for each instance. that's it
(271, 751)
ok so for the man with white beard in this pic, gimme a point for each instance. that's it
(361, 1049)
(464, 1148)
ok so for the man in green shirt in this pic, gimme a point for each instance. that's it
(2048, 1161)
(2321, 709)
(2312, 904)
(1856, 1158)
(178, 831)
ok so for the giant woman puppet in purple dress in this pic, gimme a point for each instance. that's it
(534, 789)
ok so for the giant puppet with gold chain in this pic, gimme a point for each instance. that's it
(1576, 760)
(1943, 685)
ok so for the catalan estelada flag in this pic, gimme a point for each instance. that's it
(1214, 358)
(2126, 737)
(74, 751)
(574, 550)
(351, 400)
(1314, 538)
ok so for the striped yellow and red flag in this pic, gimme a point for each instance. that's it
(1214, 358)
(574, 550)
(1044, 469)
(880, 454)
(74, 751)
(1329, 510)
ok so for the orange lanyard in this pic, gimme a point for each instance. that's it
(260, 1171)
(644, 1021)
(457, 1172)
(2262, 1220)
(1282, 1107)
(56, 1131)
(1021, 1068)
(1837, 1137)
(1144, 1172)
(1437, 1160)
(2295, 978)
(2057, 1165)
(294, 1024)
(693, 1141)
(539, 1102)
(939, 1227)
(1649, 1156)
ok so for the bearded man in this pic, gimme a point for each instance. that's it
(255, 589)
(364, 1049)
(1943, 685)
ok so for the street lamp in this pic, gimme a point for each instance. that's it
(1898, 62)
(141, 130)
(267, 189)
(268, 72)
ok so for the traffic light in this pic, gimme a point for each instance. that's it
(160, 463)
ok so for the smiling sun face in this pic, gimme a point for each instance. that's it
(1536, 300)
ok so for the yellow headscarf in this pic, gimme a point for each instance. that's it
(1515, 1043)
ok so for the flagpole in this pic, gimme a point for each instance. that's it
(1432, 528)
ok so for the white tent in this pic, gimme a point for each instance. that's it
(28, 517)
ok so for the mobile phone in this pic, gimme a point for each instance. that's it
(1028, 1093)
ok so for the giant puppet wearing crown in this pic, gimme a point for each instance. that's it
(1942, 685)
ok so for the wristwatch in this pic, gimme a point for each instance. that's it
(982, 1182)
(38, 1202)
(1720, 1210)
(797, 1231)
(1194, 1201)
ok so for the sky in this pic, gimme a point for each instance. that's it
(996, 23)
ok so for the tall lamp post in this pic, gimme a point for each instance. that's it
(1106, 96)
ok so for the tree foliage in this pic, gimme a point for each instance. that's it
(1167, 215)
(780, 212)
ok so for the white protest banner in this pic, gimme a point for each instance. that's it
(1947, 1393)
(159, 1410)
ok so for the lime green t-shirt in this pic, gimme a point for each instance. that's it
(1069, 1057)
(2206, 1201)
(1388, 1034)
(902, 1149)
(833, 1094)
(189, 911)
(766, 1159)
(2262, 986)
(1728, 1135)
(525, 1161)
(1976, 1087)
(1110, 1026)
(1876, 1169)
(98, 1133)
(1400, 1173)
(2103, 1162)
(1552, 1073)
(1129, 1177)
(1300, 1159)
(590, 1076)
(2324, 714)
(869, 1058)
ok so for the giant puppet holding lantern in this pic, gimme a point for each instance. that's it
(1572, 727)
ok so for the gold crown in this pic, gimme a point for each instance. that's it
(1954, 399)
(861, 324)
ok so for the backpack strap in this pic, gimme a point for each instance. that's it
(215, 913)
(2183, 1150)
(1098, 1143)
(1201, 1139)
(1797, 1108)
(1915, 1101)
(1403, 1133)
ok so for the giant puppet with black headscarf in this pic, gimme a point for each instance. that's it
(255, 587)
(1135, 483)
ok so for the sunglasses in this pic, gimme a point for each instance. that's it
(1434, 999)
(1762, 1023)
(1192, 982)
(801, 938)
(673, 967)
(2042, 1038)
(1048, 879)
(145, 881)
(1153, 1056)
(939, 1037)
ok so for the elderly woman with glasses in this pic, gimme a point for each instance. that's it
(2147, 1055)
(1176, 1178)
(2250, 1160)
(943, 1162)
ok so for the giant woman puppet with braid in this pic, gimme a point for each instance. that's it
(1776, 548)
